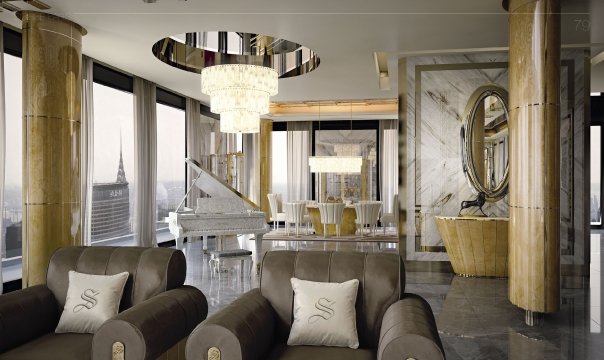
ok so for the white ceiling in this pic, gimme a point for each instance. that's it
(344, 34)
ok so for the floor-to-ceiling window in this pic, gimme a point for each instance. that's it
(113, 163)
(11, 209)
(170, 162)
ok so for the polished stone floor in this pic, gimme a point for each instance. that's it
(474, 317)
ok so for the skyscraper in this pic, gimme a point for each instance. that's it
(111, 207)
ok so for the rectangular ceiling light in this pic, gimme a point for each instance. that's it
(335, 164)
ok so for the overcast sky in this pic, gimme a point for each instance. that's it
(113, 111)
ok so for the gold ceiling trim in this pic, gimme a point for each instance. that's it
(334, 107)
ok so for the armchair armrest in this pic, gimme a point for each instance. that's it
(409, 331)
(242, 330)
(151, 328)
(25, 315)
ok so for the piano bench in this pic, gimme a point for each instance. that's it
(217, 256)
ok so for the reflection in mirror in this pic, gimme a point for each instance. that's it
(485, 142)
(490, 142)
(347, 187)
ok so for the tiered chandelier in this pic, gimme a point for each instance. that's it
(239, 71)
(240, 94)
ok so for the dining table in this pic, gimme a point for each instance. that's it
(348, 226)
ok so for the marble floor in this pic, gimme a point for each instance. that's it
(474, 317)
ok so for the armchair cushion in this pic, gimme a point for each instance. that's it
(68, 346)
(25, 315)
(91, 300)
(409, 331)
(152, 327)
(324, 314)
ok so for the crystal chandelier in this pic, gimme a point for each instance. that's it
(240, 94)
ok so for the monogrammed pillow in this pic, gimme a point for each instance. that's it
(91, 300)
(324, 314)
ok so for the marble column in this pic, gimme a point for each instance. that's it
(52, 87)
(266, 136)
(534, 227)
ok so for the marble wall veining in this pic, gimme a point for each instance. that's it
(438, 90)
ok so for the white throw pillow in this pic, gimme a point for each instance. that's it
(91, 300)
(324, 314)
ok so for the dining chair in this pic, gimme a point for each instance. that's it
(331, 213)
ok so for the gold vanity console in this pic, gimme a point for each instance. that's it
(477, 246)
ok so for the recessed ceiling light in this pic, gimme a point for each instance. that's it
(596, 94)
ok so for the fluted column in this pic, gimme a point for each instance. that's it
(534, 228)
(52, 87)
(266, 136)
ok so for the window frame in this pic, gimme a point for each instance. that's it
(174, 100)
(597, 119)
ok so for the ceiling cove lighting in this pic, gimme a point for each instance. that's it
(239, 71)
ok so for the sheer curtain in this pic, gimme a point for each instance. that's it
(195, 145)
(389, 162)
(298, 151)
(87, 148)
(251, 149)
(145, 147)
(2, 151)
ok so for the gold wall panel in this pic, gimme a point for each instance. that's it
(266, 136)
(476, 246)
(534, 227)
(52, 87)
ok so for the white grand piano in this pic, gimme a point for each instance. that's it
(225, 212)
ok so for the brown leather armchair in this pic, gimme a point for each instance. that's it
(157, 312)
(391, 324)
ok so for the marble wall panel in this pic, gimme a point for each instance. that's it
(438, 89)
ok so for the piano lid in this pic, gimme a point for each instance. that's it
(211, 185)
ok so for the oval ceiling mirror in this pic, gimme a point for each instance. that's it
(485, 142)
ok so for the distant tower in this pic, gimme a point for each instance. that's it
(121, 174)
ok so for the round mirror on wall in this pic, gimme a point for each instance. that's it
(485, 142)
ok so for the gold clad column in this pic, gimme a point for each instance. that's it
(266, 137)
(534, 227)
(52, 86)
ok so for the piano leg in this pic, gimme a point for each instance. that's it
(258, 253)
(204, 241)
(180, 244)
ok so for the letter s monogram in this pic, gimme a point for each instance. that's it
(90, 300)
(326, 311)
